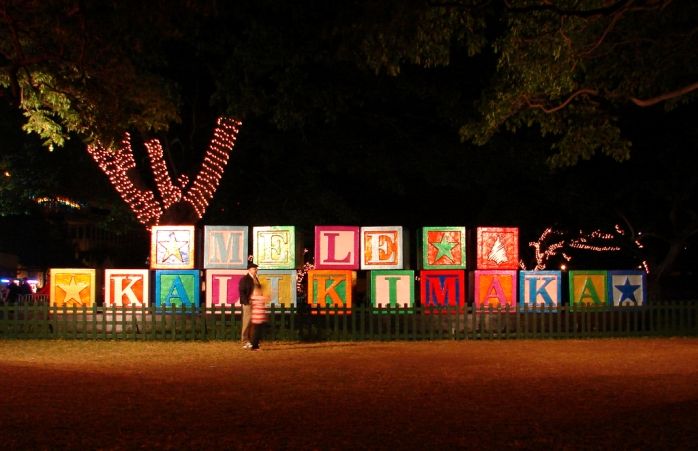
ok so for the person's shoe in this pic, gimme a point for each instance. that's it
(255, 349)
(247, 346)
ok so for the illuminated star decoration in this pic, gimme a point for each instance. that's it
(445, 248)
(72, 291)
(173, 248)
(119, 165)
(627, 291)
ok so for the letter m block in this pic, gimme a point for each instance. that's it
(442, 288)
(226, 247)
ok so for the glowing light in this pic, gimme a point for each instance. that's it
(58, 200)
(116, 164)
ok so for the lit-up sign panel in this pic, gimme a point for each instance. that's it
(72, 287)
(443, 248)
(279, 285)
(275, 247)
(328, 287)
(126, 287)
(495, 289)
(392, 288)
(222, 287)
(497, 248)
(627, 288)
(225, 247)
(177, 288)
(540, 289)
(336, 247)
(442, 287)
(588, 288)
(172, 247)
(382, 248)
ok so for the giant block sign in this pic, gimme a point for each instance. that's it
(339, 251)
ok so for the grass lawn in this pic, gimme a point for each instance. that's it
(570, 394)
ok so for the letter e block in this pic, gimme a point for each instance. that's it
(382, 248)
(275, 247)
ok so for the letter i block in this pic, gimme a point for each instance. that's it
(382, 248)
(443, 248)
(226, 247)
(280, 285)
(126, 287)
(495, 289)
(172, 247)
(330, 287)
(497, 248)
(392, 288)
(72, 287)
(222, 287)
(627, 288)
(540, 289)
(588, 288)
(177, 288)
(442, 288)
(336, 247)
(275, 247)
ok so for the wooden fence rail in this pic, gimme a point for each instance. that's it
(38, 320)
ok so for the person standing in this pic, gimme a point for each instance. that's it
(246, 287)
(258, 317)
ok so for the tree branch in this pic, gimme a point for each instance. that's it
(572, 96)
(666, 96)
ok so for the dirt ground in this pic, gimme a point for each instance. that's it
(573, 395)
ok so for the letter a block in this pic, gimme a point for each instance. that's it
(627, 288)
(226, 247)
(442, 288)
(588, 288)
(336, 247)
(275, 247)
(72, 287)
(392, 288)
(497, 248)
(443, 248)
(540, 289)
(172, 247)
(126, 287)
(382, 248)
(177, 288)
(328, 287)
(495, 289)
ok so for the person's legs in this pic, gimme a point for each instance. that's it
(256, 335)
(246, 335)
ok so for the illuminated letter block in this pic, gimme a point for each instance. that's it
(327, 287)
(627, 288)
(225, 247)
(382, 248)
(441, 288)
(172, 247)
(495, 289)
(126, 287)
(279, 285)
(588, 288)
(392, 288)
(275, 247)
(177, 288)
(497, 248)
(72, 287)
(336, 247)
(540, 289)
(443, 248)
(222, 287)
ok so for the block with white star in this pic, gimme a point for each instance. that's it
(627, 288)
(72, 287)
(443, 248)
(382, 248)
(172, 247)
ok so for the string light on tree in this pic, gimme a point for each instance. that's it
(118, 164)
